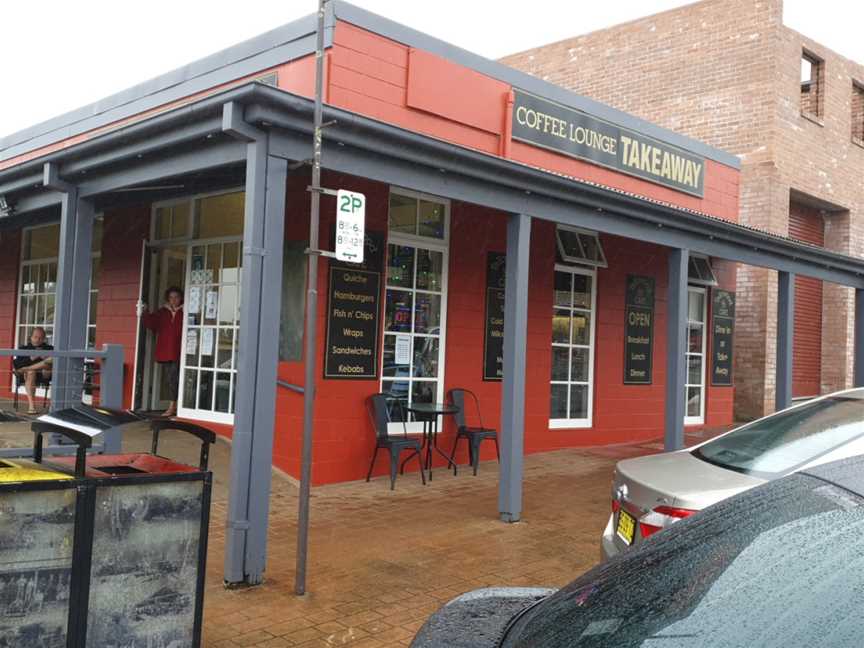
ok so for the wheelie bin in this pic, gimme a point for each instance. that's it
(148, 540)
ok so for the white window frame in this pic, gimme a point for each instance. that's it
(588, 421)
(696, 420)
(92, 293)
(441, 245)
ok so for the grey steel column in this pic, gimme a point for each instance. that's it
(676, 341)
(268, 364)
(858, 380)
(260, 305)
(785, 329)
(513, 385)
(72, 300)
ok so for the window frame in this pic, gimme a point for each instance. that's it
(417, 241)
(697, 281)
(567, 258)
(817, 79)
(856, 129)
(703, 388)
(588, 421)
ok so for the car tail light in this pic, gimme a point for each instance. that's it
(660, 518)
(616, 506)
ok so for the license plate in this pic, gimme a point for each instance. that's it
(626, 527)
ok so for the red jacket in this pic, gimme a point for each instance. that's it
(168, 327)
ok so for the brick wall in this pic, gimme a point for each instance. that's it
(728, 72)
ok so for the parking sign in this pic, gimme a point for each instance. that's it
(350, 225)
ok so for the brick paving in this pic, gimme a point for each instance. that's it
(381, 561)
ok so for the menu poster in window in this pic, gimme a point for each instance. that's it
(493, 343)
(353, 314)
(722, 330)
(638, 330)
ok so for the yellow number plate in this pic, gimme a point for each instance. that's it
(626, 528)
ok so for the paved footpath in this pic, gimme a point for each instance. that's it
(380, 561)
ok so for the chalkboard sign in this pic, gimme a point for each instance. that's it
(722, 330)
(638, 330)
(493, 343)
(353, 314)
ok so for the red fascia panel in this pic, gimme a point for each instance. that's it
(440, 87)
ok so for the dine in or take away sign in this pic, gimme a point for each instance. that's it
(350, 225)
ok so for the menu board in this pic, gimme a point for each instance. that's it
(493, 343)
(638, 330)
(722, 330)
(353, 314)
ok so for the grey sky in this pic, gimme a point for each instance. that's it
(59, 55)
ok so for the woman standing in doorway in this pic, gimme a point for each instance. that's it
(167, 323)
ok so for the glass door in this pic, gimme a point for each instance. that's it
(415, 311)
(695, 365)
(212, 320)
(170, 271)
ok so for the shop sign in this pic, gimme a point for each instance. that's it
(638, 330)
(353, 314)
(550, 125)
(350, 225)
(722, 330)
(493, 342)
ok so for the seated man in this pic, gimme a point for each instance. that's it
(33, 369)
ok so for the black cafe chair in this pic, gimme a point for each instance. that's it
(473, 435)
(380, 408)
(41, 381)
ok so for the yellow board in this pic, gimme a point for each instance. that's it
(27, 471)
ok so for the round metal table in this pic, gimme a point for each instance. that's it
(428, 414)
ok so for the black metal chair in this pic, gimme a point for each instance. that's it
(379, 408)
(474, 435)
(41, 381)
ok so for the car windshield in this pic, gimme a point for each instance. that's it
(781, 443)
(779, 565)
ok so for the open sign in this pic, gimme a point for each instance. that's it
(350, 225)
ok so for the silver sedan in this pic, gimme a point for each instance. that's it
(653, 492)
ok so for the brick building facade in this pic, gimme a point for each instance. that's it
(728, 72)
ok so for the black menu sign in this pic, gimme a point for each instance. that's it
(353, 314)
(493, 343)
(722, 329)
(638, 330)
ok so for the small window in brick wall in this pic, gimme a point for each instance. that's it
(858, 113)
(812, 85)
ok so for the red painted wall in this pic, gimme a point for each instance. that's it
(422, 92)
(10, 256)
(344, 439)
(119, 284)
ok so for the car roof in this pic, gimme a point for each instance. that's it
(845, 473)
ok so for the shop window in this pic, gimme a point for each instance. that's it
(573, 318)
(416, 299)
(171, 221)
(580, 246)
(293, 301)
(219, 215)
(700, 272)
(695, 356)
(812, 85)
(858, 113)
(37, 288)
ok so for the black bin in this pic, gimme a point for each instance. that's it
(142, 580)
(43, 516)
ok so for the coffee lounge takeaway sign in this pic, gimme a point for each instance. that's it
(550, 125)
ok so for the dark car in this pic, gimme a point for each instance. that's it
(778, 565)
